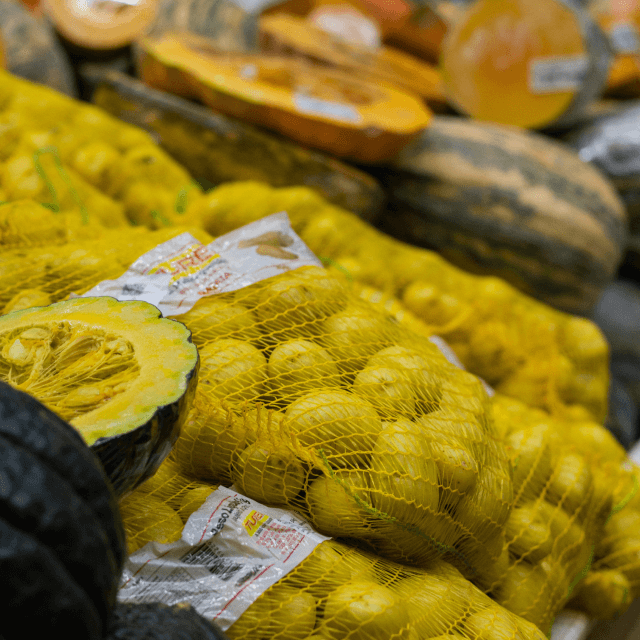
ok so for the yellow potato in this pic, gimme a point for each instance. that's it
(387, 390)
(435, 604)
(524, 590)
(531, 461)
(583, 342)
(404, 476)
(280, 613)
(232, 370)
(297, 367)
(353, 335)
(603, 594)
(268, 472)
(528, 535)
(209, 439)
(340, 424)
(570, 483)
(293, 305)
(220, 317)
(423, 368)
(330, 566)
(364, 610)
(486, 508)
(333, 510)
(492, 623)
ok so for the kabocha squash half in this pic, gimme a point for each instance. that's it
(319, 107)
(117, 371)
(61, 536)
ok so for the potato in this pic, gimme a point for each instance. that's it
(492, 623)
(269, 472)
(297, 367)
(342, 425)
(404, 477)
(570, 483)
(364, 610)
(232, 370)
(528, 535)
(387, 390)
(333, 510)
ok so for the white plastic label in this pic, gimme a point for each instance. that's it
(624, 38)
(555, 74)
(333, 110)
(177, 273)
(232, 550)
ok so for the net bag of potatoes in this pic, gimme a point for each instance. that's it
(263, 572)
(488, 323)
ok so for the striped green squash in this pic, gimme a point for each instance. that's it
(498, 200)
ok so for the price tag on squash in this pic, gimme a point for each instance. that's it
(556, 73)
(232, 549)
(176, 274)
(624, 38)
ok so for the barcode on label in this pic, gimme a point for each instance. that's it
(551, 75)
(208, 556)
(624, 38)
(333, 110)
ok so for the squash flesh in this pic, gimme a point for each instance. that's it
(106, 366)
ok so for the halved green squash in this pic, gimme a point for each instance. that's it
(118, 372)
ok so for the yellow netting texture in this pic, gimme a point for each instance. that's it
(520, 346)
(328, 398)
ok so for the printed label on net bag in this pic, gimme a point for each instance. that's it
(557, 73)
(176, 274)
(232, 549)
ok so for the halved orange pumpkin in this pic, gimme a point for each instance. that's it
(282, 33)
(317, 106)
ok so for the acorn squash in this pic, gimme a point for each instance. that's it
(317, 106)
(118, 372)
(61, 536)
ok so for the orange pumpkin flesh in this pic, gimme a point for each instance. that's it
(317, 106)
(488, 53)
(282, 33)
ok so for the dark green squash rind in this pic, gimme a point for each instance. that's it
(131, 458)
(35, 499)
(449, 191)
(58, 445)
(38, 595)
(216, 149)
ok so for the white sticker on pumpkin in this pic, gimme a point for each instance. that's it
(176, 274)
(557, 73)
(624, 38)
(325, 108)
(231, 551)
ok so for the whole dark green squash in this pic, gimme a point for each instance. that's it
(61, 537)
(501, 201)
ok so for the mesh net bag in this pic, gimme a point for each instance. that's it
(73, 156)
(520, 346)
(338, 591)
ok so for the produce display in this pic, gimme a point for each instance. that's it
(333, 402)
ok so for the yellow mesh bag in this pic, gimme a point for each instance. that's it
(572, 483)
(338, 591)
(73, 156)
(520, 346)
